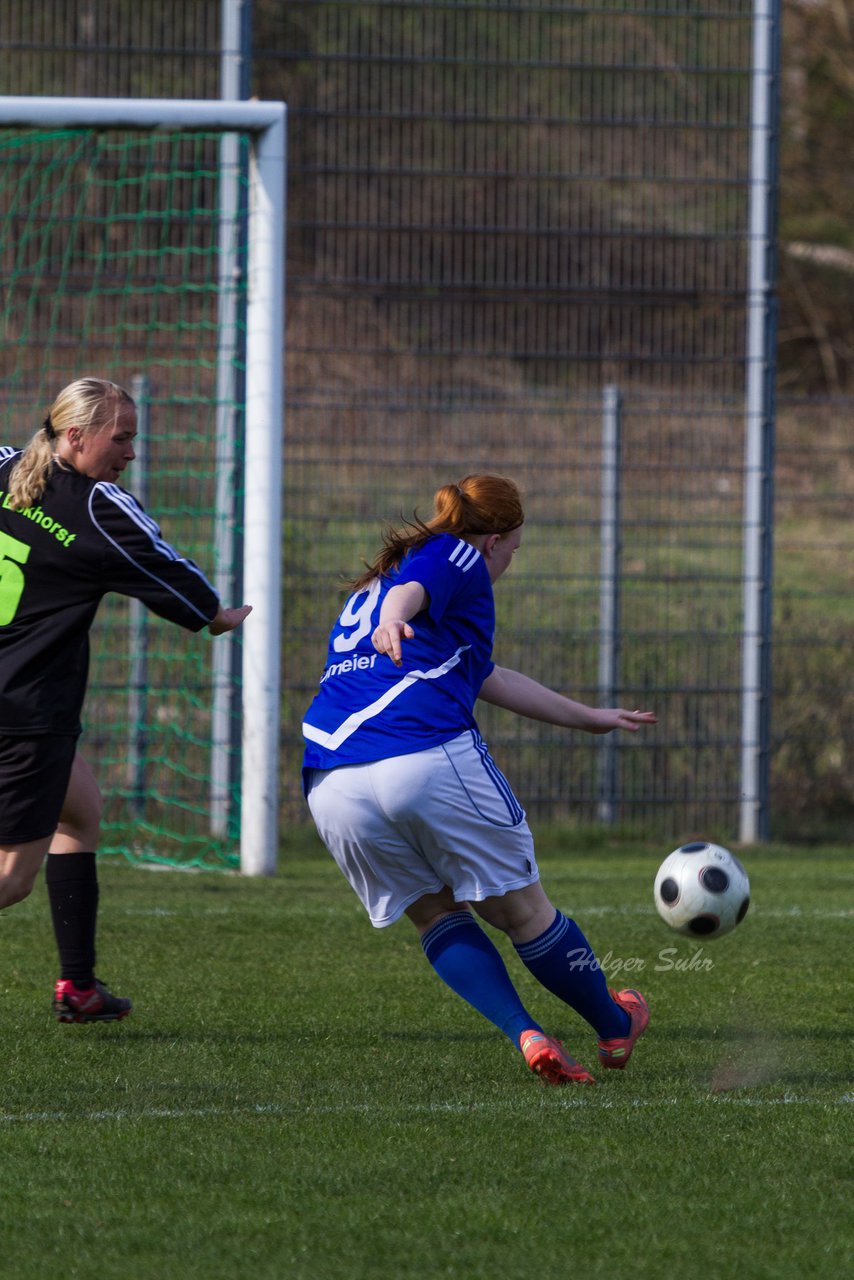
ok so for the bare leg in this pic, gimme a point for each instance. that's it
(19, 866)
(523, 914)
(80, 821)
(430, 909)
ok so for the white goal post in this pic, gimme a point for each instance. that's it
(264, 124)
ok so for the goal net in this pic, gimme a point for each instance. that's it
(143, 242)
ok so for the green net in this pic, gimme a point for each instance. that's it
(110, 262)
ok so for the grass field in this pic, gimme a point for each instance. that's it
(297, 1095)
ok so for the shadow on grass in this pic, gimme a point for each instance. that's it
(289, 1035)
(751, 1034)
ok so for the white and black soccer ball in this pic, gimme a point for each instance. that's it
(702, 890)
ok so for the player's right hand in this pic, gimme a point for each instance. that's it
(387, 638)
(228, 619)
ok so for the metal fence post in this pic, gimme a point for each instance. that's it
(754, 817)
(230, 385)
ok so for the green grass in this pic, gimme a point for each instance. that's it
(297, 1095)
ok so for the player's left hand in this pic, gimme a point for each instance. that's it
(608, 718)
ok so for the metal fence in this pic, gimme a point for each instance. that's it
(518, 241)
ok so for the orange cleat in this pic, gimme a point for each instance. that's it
(549, 1060)
(616, 1053)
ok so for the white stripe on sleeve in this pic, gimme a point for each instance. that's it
(128, 505)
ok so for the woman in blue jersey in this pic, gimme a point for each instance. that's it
(68, 535)
(407, 798)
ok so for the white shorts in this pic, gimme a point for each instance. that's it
(410, 825)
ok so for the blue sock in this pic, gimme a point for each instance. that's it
(562, 960)
(466, 959)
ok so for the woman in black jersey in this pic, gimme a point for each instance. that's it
(68, 535)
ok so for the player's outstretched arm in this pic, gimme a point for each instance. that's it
(400, 604)
(228, 619)
(516, 692)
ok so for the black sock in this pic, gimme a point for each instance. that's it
(72, 888)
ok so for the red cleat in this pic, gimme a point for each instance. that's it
(92, 1004)
(616, 1053)
(549, 1060)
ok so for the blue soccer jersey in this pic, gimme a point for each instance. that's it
(369, 709)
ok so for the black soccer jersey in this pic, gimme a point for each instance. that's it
(57, 560)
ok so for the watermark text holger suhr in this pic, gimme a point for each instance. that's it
(668, 960)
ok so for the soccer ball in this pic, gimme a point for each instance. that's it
(702, 890)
